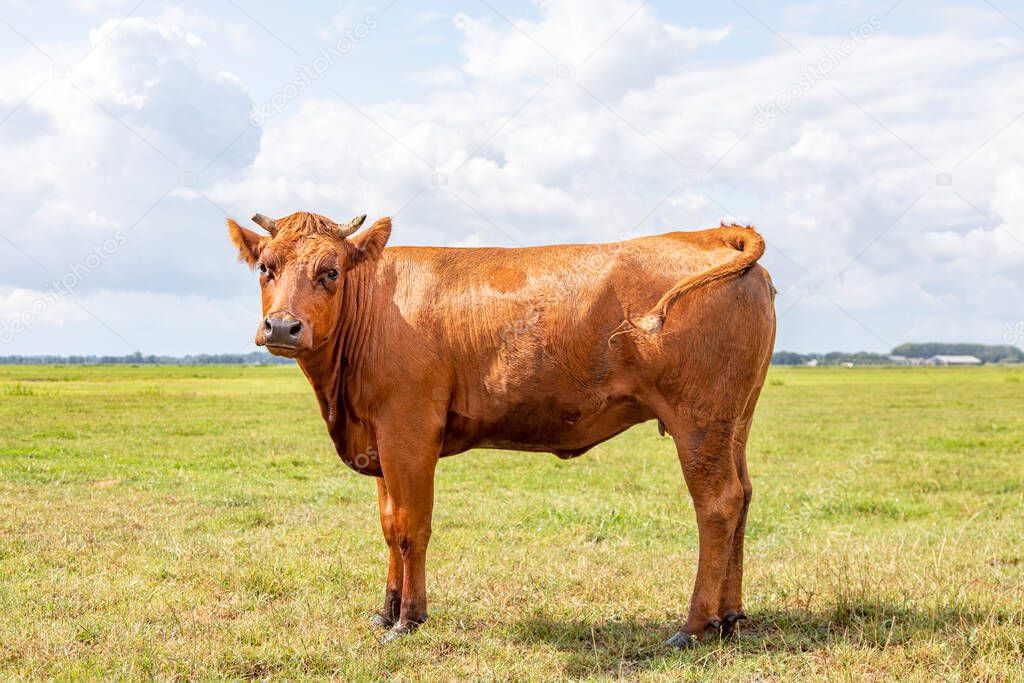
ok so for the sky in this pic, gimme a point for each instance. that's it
(877, 146)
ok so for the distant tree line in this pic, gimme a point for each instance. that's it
(254, 358)
(985, 353)
(831, 358)
(989, 354)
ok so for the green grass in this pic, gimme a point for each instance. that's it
(195, 523)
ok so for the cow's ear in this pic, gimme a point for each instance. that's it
(370, 243)
(249, 243)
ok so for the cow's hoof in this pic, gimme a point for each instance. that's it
(729, 620)
(398, 631)
(682, 640)
(392, 635)
(380, 621)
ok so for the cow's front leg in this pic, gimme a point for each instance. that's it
(389, 613)
(408, 461)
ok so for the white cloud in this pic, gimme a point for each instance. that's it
(92, 154)
(620, 45)
(348, 15)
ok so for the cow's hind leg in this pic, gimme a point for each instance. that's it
(389, 613)
(706, 456)
(731, 603)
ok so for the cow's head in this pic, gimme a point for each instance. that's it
(302, 266)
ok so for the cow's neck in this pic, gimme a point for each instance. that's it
(345, 353)
(323, 370)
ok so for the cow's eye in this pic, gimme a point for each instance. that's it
(332, 274)
(263, 268)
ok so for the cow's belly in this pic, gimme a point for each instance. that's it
(543, 425)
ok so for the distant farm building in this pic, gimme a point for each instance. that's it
(953, 360)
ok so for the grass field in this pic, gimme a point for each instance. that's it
(184, 522)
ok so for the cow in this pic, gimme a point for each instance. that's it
(417, 353)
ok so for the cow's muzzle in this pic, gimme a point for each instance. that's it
(282, 333)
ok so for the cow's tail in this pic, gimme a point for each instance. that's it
(744, 239)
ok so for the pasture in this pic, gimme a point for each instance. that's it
(194, 522)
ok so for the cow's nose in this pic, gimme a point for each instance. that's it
(281, 332)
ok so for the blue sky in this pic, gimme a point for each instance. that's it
(879, 147)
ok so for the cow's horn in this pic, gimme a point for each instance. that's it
(350, 227)
(268, 224)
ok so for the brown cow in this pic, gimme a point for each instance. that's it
(416, 353)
